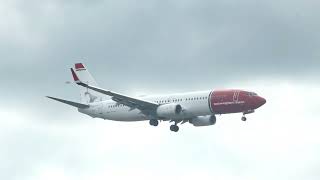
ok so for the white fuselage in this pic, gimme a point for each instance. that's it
(193, 103)
(198, 108)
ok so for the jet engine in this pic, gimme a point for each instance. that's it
(169, 110)
(203, 120)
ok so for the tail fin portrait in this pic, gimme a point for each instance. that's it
(81, 74)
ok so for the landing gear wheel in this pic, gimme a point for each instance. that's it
(154, 122)
(174, 128)
(243, 118)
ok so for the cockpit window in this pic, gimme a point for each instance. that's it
(252, 94)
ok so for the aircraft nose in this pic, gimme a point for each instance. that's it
(260, 101)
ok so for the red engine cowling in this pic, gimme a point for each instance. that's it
(169, 110)
(203, 120)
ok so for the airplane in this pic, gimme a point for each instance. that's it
(197, 108)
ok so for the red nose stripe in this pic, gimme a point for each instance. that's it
(79, 66)
(75, 77)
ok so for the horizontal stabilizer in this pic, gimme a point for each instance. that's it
(75, 104)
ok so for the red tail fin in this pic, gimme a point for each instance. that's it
(82, 77)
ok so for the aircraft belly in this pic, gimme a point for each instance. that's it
(124, 115)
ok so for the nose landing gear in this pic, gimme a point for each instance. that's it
(243, 118)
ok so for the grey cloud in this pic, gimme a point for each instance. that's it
(160, 42)
(205, 36)
(129, 45)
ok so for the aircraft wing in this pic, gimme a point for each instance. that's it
(131, 102)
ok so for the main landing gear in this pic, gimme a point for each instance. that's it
(174, 128)
(154, 122)
(243, 118)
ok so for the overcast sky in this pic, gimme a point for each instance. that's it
(158, 46)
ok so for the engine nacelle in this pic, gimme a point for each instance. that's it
(203, 120)
(169, 110)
